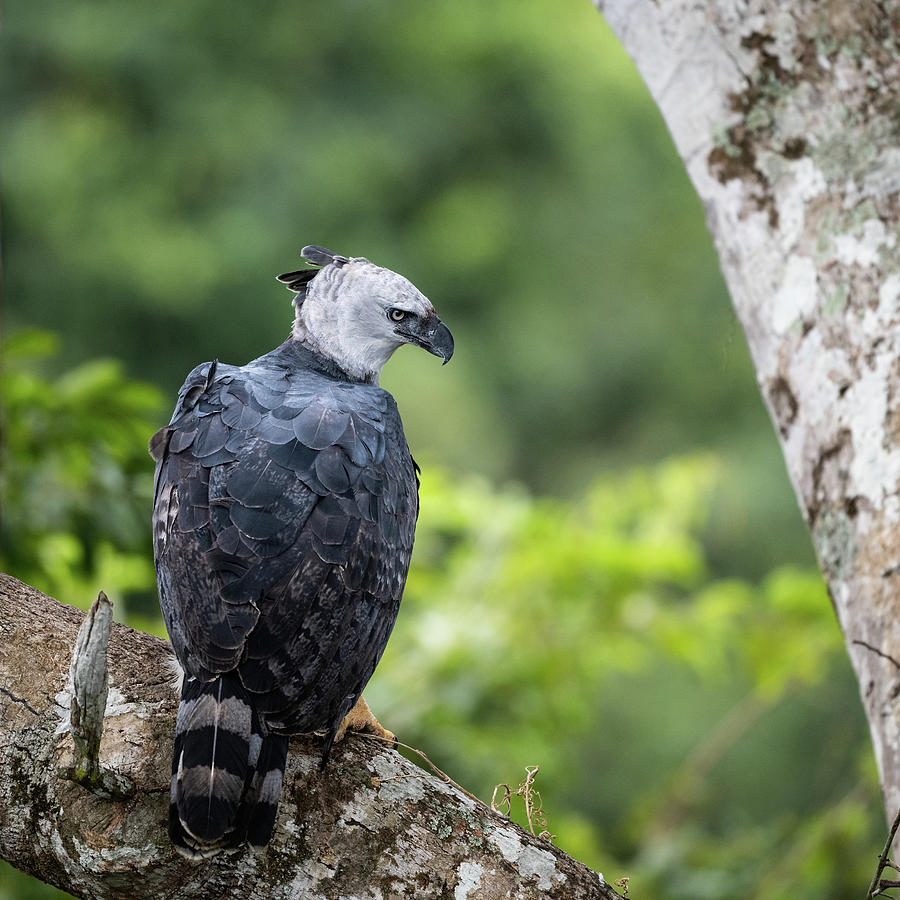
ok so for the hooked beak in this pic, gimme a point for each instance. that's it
(434, 336)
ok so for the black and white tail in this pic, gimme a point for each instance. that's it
(226, 770)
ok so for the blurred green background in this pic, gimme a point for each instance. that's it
(611, 580)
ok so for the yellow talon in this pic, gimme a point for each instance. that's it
(361, 718)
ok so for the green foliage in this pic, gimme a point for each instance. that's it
(563, 594)
(75, 479)
(15, 885)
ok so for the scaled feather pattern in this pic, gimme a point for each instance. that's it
(285, 502)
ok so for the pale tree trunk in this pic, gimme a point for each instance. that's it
(372, 827)
(787, 117)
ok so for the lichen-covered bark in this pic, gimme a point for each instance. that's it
(371, 826)
(787, 116)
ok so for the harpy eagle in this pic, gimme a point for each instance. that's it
(285, 502)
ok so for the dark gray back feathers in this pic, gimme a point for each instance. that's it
(284, 511)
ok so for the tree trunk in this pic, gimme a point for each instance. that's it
(787, 117)
(372, 825)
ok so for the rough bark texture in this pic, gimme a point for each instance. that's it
(372, 826)
(787, 117)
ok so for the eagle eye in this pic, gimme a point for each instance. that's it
(397, 315)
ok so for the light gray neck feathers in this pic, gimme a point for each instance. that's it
(345, 315)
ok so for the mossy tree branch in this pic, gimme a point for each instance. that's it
(371, 825)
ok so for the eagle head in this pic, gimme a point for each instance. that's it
(358, 314)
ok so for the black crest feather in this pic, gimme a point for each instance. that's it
(322, 256)
(298, 281)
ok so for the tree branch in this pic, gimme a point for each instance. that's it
(371, 825)
(884, 859)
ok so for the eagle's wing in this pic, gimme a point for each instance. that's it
(283, 521)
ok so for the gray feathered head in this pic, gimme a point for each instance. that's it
(358, 314)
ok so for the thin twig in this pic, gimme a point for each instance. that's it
(874, 887)
(534, 804)
(395, 743)
(507, 799)
(528, 793)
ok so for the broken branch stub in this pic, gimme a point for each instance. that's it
(89, 678)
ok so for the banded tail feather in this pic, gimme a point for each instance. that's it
(226, 770)
(266, 791)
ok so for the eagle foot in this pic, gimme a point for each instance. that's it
(361, 718)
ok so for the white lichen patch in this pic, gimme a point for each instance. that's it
(507, 842)
(541, 863)
(408, 857)
(889, 297)
(130, 855)
(880, 322)
(288, 832)
(59, 848)
(358, 812)
(393, 786)
(306, 764)
(799, 182)
(306, 882)
(873, 455)
(883, 176)
(397, 786)
(816, 372)
(117, 705)
(864, 249)
(287, 822)
(530, 861)
(62, 703)
(797, 296)
(784, 37)
(468, 879)
(113, 859)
